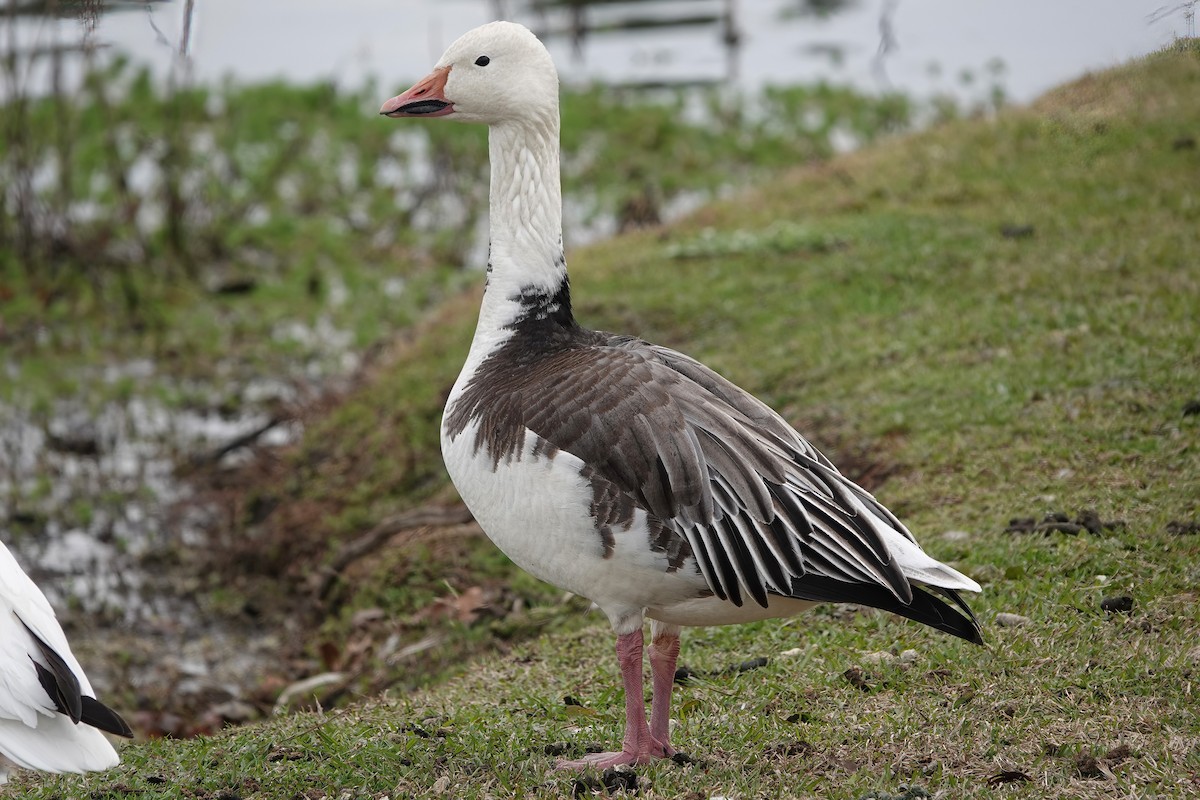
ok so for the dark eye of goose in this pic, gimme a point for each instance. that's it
(482, 61)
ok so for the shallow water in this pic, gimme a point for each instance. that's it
(936, 46)
(96, 505)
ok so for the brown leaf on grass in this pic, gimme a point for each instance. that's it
(846, 764)
(469, 604)
(464, 607)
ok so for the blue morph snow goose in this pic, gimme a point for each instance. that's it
(49, 716)
(625, 472)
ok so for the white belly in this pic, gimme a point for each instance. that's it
(715, 611)
(537, 510)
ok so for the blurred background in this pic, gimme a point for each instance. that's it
(209, 240)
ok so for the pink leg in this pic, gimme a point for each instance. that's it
(664, 652)
(639, 747)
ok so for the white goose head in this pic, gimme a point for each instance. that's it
(501, 75)
(494, 74)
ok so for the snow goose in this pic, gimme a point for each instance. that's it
(44, 695)
(625, 472)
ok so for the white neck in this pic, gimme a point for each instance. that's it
(526, 253)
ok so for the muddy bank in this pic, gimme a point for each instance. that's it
(107, 544)
(99, 503)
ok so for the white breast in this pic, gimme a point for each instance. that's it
(537, 510)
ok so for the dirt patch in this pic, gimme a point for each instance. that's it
(1089, 765)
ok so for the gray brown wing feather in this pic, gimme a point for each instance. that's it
(760, 508)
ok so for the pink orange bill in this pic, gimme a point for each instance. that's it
(427, 98)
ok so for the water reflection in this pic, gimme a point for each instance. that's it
(577, 21)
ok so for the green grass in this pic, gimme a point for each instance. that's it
(306, 192)
(998, 377)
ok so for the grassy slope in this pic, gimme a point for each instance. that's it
(1004, 376)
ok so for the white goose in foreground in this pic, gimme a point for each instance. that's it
(626, 472)
(49, 714)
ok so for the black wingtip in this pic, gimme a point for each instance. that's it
(967, 615)
(924, 608)
(101, 716)
(948, 619)
(932, 611)
(63, 688)
(58, 681)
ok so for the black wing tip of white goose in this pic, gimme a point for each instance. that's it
(63, 687)
(965, 610)
(104, 718)
(924, 607)
(58, 681)
(930, 610)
